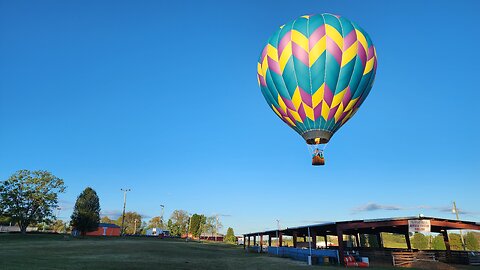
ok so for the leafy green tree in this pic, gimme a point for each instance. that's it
(196, 224)
(172, 228)
(143, 228)
(30, 196)
(4, 220)
(471, 241)
(59, 226)
(156, 222)
(230, 237)
(86, 213)
(129, 224)
(212, 225)
(209, 227)
(106, 219)
(179, 222)
(419, 241)
(438, 243)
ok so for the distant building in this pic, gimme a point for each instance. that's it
(157, 232)
(104, 229)
(205, 236)
(210, 237)
(16, 228)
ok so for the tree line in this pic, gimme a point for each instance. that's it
(29, 198)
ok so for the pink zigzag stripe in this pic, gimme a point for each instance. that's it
(350, 39)
(306, 97)
(273, 65)
(316, 36)
(333, 48)
(284, 42)
(300, 53)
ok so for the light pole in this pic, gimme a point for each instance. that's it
(455, 211)
(161, 215)
(124, 205)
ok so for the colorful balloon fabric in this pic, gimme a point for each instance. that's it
(315, 72)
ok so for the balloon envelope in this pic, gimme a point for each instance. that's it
(315, 72)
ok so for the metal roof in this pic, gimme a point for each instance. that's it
(108, 225)
(334, 224)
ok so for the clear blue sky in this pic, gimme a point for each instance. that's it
(162, 97)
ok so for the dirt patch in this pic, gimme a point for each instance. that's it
(432, 265)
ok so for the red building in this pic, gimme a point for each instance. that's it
(104, 229)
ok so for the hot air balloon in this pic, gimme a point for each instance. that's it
(315, 72)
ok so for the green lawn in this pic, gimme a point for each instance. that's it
(59, 252)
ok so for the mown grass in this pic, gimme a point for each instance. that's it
(59, 252)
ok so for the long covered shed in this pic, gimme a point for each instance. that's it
(355, 228)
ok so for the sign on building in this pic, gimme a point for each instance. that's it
(419, 226)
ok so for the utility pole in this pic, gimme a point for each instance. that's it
(216, 227)
(135, 228)
(188, 227)
(124, 205)
(216, 223)
(161, 216)
(278, 239)
(455, 211)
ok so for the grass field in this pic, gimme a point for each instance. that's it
(59, 252)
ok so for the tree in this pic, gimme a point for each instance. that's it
(419, 241)
(4, 220)
(209, 227)
(438, 243)
(471, 241)
(212, 225)
(86, 213)
(196, 224)
(131, 218)
(106, 219)
(59, 226)
(178, 222)
(230, 237)
(156, 222)
(30, 197)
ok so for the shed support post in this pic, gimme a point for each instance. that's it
(261, 244)
(280, 239)
(254, 240)
(407, 240)
(379, 239)
(326, 241)
(269, 240)
(341, 255)
(445, 239)
(357, 240)
(248, 241)
(244, 238)
(314, 240)
(447, 245)
(294, 235)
